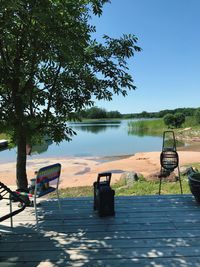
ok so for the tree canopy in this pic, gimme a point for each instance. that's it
(174, 121)
(51, 66)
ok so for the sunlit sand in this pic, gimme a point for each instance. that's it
(83, 171)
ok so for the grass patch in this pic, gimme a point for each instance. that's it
(147, 127)
(190, 121)
(80, 191)
(156, 127)
(139, 188)
(143, 187)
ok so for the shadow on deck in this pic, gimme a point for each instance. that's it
(146, 231)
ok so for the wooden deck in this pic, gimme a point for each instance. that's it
(146, 231)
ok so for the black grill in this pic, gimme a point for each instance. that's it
(169, 160)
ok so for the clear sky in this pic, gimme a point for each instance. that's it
(167, 71)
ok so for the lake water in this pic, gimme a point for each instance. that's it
(108, 138)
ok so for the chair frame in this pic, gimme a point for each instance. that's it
(44, 175)
(4, 191)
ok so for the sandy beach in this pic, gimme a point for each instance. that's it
(83, 171)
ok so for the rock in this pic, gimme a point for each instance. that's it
(153, 176)
(172, 177)
(185, 129)
(129, 177)
(166, 176)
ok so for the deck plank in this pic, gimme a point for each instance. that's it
(146, 231)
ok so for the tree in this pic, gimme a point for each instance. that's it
(96, 113)
(197, 115)
(114, 114)
(50, 67)
(179, 119)
(169, 120)
(144, 114)
(174, 120)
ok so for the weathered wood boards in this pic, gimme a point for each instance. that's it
(146, 231)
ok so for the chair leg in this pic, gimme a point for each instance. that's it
(179, 178)
(58, 197)
(35, 206)
(160, 182)
(11, 218)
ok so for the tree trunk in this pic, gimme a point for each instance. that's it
(22, 182)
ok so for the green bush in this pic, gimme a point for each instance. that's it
(174, 121)
(169, 120)
(179, 119)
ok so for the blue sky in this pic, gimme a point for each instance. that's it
(167, 71)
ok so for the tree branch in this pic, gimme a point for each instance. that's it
(51, 93)
(3, 55)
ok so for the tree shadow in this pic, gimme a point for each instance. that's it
(78, 237)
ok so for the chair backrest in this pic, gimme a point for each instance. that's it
(45, 176)
(48, 173)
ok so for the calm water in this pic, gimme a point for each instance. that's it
(94, 139)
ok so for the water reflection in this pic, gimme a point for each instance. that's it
(41, 148)
(99, 122)
(147, 132)
(94, 128)
(142, 132)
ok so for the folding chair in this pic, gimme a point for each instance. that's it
(46, 181)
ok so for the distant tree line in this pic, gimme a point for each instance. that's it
(172, 118)
(161, 114)
(101, 113)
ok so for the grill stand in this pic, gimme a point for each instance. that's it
(169, 160)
